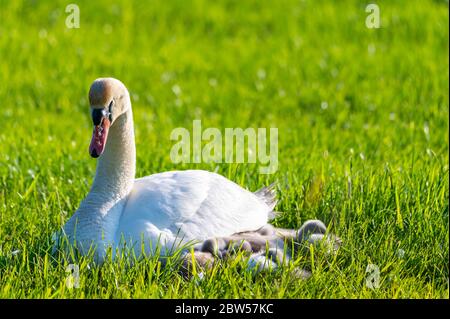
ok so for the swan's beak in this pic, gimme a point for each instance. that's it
(99, 136)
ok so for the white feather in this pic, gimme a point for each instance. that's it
(182, 206)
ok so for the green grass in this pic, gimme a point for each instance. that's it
(363, 128)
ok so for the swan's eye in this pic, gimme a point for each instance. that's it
(98, 115)
(111, 104)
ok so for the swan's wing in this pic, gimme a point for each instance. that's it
(194, 204)
(269, 195)
(226, 209)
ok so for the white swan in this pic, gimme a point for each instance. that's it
(168, 208)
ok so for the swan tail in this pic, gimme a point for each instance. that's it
(268, 195)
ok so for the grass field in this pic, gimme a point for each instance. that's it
(362, 116)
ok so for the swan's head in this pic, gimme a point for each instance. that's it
(108, 99)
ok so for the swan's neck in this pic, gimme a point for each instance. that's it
(116, 167)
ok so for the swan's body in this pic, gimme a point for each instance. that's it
(192, 205)
(165, 209)
(169, 209)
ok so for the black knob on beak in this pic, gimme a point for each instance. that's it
(98, 115)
